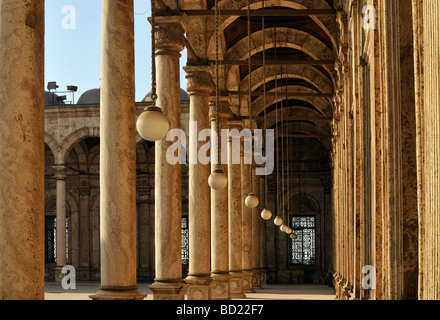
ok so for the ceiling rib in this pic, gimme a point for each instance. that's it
(259, 62)
(254, 13)
(280, 94)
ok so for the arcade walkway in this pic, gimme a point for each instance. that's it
(54, 291)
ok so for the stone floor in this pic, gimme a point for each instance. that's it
(54, 291)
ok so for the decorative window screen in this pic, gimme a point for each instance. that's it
(51, 236)
(185, 245)
(304, 246)
(51, 239)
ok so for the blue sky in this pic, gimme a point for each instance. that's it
(73, 45)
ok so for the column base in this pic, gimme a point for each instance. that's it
(237, 285)
(256, 279)
(199, 287)
(58, 274)
(221, 286)
(247, 282)
(118, 293)
(83, 274)
(168, 290)
(263, 278)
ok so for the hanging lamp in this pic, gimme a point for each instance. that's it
(217, 179)
(288, 230)
(152, 124)
(251, 200)
(266, 214)
(278, 221)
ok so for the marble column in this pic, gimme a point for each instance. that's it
(235, 215)
(256, 219)
(118, 155)
(22, 150)
(221, 288)
(60, 176)
(246, 226)
(168, 283)
(199, 279)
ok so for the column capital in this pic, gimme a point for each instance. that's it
(60, 172)
(225, 112)
(199, 79)
(170, 33)
(234, 123)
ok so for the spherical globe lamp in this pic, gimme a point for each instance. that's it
(289, 230)
(266, 214)
(283, 228)
(152, 124)
(251, 201)
(217, 180)
(278, 221)
(293, 236)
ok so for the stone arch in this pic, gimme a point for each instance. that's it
(327, 24)
(306, 73)
(320, 103)
(70, 200)
(53, 146)
(284, 37)
(303, 202)
(299, 112)
(76, 136)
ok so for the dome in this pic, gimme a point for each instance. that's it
(92, 96)
(184, 97)
(50, 99)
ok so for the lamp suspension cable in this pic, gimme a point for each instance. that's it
(251, 200)
(250, 81)
(264, 101)
(152, 124)
(282, 154)
(217, 75)
(278, 221)
(266, 214)
(217, 180)
(289, 229)
(153, 54)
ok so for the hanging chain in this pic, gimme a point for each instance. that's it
(264, 101)
(250, 84)
(153, 52)
(288, 164)
(282, 151)
(217, 75)
(276, 124)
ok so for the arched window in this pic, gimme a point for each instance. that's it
(303, 248)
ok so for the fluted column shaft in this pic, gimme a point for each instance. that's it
(22, 150)
(199, 203)
(235, 219)
(118, 154)
(219, 222)
(168, 283)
